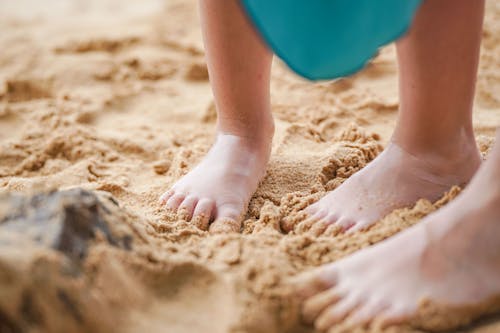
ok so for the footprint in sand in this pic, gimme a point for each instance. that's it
(102, 44)
(23, 90)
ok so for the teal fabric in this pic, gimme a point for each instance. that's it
(326, 39)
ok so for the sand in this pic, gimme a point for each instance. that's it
(113, 97)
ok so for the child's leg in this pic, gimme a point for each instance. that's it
(433, 146)
(450, 258)
(239, 65)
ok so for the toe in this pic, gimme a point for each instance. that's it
(312, 209)
(326, 220)
(174, 201)
(316, 304)
(345, 223)
(225, 226)
(186, 208)
(332, 230)
(318, 280)
(165, 196)
(395, 315)
(202, 213)
(335, 313)
(359, 226)
(309, 222)
(227, 219)
(365, 314)
(331, 218)
(318, 228)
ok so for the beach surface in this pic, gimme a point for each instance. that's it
(108, 103)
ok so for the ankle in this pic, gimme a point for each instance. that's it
(259, 135)
(492, 167)
(456, 155)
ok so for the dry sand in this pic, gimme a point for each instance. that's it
(113, 96)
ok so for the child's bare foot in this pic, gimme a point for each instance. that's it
(219, 188)
(451, 258)
(395, 179)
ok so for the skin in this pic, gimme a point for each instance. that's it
(432, 147)
(239, 65)
(451, 257)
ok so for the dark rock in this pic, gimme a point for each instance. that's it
(7, 325)
(65, 220)
(70, 305)
(29, 310)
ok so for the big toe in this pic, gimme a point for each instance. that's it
(225, 225)
(228, 218)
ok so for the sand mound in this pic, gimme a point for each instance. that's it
(113, 103)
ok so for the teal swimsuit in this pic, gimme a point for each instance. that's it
(326, 39)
